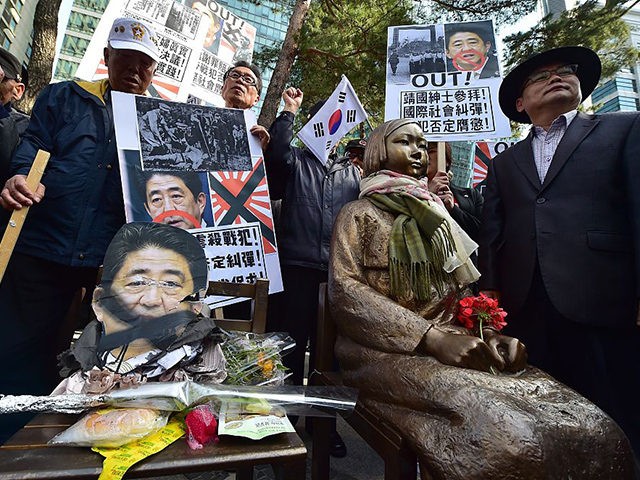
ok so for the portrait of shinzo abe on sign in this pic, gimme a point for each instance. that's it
(446, 77)
(199, 169)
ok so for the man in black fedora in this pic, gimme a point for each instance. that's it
(560, 239)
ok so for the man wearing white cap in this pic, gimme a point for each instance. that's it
(76, 211)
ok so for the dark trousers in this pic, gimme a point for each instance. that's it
(296, 311)
(35, 296)
(598, 362)
(298, 315)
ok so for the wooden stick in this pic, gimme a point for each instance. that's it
(18, 217)
(442, 160)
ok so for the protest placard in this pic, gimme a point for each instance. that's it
(483, 153)
(197, 44)
(446, 77)
(180, 31)
(199, 168)
(229, 39)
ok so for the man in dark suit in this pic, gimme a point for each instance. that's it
(560, 236)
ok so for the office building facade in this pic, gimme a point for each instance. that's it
(621, 92)
(83, 20)
(16, 27)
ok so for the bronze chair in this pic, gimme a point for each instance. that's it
(400, 463)
(257, 292)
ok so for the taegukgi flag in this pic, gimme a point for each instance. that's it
(341, 112)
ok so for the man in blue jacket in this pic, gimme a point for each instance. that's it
(312, 194)
(76, 210)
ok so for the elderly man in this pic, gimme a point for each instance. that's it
(241, 89)
(13, 122)
(75, 211)
(175, 198)
(560, 237)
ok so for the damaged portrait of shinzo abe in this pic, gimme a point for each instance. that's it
(147, 309)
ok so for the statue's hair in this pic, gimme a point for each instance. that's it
(376, 151)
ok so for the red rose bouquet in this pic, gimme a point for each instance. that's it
(476, 313)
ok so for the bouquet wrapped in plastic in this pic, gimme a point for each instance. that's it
(256, 359)
(177, 396)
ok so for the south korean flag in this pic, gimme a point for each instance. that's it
(341, 112)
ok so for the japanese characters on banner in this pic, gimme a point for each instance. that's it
(235, 253)
(199, 168)
(229, 39)
(446, 77)
(197, 45)
(180, 31)
(340, 113)
(483, 153)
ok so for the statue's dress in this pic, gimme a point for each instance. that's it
(462, 423)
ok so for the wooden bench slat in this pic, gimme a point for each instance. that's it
(26, 455)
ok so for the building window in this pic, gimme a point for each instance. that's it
(603, 91)
(65, 70)
(74, 46)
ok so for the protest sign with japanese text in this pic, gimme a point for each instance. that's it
(199, 168)
(483, 154)
(229, 39)
(446, 77)
(197, 45)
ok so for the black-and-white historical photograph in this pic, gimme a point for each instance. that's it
(179, 136)
(413, 50)
(183, 19)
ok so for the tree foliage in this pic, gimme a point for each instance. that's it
(286, 58)
(501, 11)
(350, 37)
(45, 30)
(599, 27)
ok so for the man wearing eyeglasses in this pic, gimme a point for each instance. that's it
(241, 89)
(560, 239)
